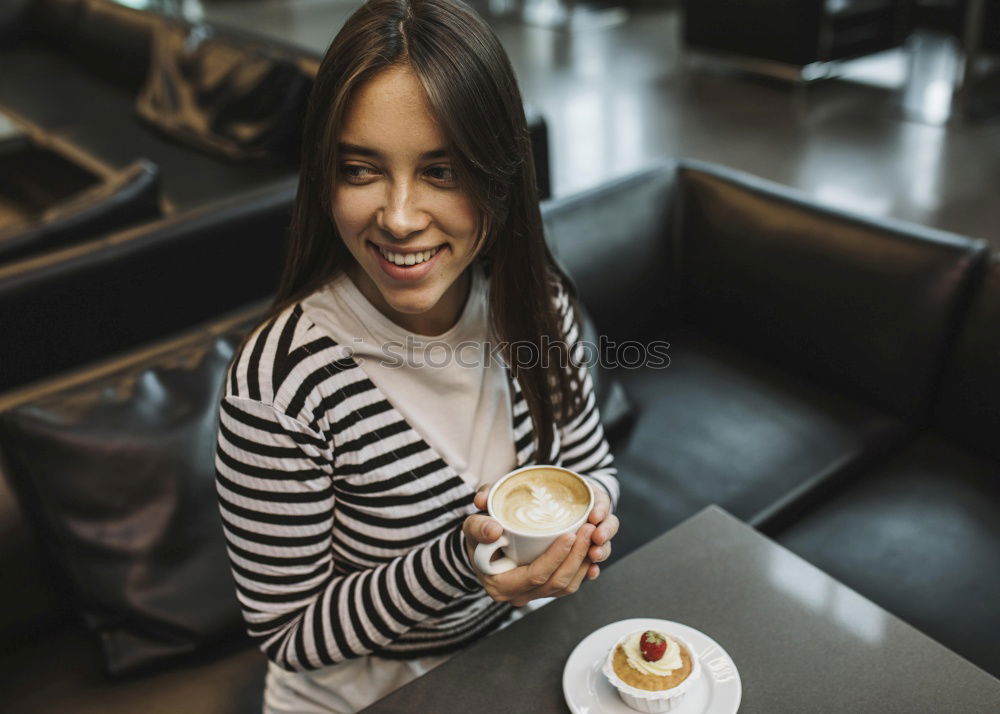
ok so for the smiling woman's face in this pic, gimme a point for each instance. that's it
(398, 209)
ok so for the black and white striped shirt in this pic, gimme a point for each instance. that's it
(343, 526)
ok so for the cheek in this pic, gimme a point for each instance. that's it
(459, 220)
(350, 215)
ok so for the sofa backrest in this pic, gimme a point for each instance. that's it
(614, 241)
(969, 405)
(85, 302)
(860, 305)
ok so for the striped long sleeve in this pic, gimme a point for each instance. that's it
(583, 446)
(278, 504)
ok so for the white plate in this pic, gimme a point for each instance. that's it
(588, 691)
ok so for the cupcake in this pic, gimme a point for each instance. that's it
(651, 670)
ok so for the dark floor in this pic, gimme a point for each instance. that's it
(619, 96)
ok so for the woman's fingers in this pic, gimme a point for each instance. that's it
(482, 529)
(602, 506)
(481, 496)
(599, 553)
(606, 530)
(537, 573)
(567, 571)
(566, 579)
(559, 571)
(572, 585)
(580, 575)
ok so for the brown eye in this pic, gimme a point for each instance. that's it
(356, 174)
(442, 173)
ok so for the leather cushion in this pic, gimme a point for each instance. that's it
(716, 426)
(862, 306)
(118, 478)
(920, 537)
(969, 407)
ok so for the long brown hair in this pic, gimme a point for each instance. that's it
(473, 94)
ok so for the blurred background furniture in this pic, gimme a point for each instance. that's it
(793, 39)
(49, 200)
(79, 70)
(950, 44)
(965, 36)
(830, 381)
(175, 146)
(101, 297)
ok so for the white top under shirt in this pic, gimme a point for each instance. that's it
(453, 397)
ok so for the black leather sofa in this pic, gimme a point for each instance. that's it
(831, 380)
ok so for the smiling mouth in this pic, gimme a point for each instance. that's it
(405, 260)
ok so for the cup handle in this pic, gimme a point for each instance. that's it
(484, 552)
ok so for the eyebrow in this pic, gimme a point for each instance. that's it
(347, 148)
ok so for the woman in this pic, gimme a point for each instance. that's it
(350, 475)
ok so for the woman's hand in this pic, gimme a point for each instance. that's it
(560, 569)
(555, 573)
(606, 527)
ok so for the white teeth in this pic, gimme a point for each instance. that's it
(408, 258)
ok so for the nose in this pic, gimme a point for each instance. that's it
(400, 215)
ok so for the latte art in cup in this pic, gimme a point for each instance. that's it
(541, 501)
(535, 505)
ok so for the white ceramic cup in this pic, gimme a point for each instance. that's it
(519, 547)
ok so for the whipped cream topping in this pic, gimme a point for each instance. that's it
(662, 667)
(544, 509)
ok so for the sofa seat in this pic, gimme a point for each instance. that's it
(920, 537)
(718, 427)
(61, 673)
(57, 94)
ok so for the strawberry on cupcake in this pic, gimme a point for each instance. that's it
(651, 670)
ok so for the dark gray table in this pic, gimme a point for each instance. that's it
(802, 641)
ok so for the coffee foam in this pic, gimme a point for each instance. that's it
(541, 501)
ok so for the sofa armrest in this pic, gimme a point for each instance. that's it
(126, 198)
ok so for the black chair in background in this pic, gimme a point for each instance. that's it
(793, 39)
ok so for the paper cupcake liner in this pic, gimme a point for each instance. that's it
(644, 700)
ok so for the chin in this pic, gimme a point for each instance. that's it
(416, 306)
